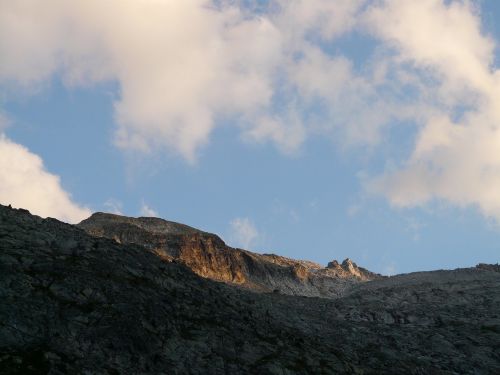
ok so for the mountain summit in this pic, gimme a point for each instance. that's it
(208, 256)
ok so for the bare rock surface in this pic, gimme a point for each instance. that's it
(208, 256)
(76, 304)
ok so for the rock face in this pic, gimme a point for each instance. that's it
(208, 256)
(76, 304)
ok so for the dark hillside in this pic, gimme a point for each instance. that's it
(76, 304)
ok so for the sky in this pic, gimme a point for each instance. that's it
(313, 129)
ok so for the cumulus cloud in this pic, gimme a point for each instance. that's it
(25, 183)
(287, 135)
(274, 70)
(180, 65)
(455, 158)
(243, 232)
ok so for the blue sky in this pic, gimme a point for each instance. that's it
(318, 130)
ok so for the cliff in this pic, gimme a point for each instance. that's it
(208, 256)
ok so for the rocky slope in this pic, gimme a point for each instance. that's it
(208, 256)
(76, 304)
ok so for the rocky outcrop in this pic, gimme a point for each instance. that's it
(76, 304)
(208, 256)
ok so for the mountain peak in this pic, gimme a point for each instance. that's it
(208, 256)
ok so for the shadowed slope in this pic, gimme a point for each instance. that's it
(72, 303)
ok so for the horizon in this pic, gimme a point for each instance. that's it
(314, 130)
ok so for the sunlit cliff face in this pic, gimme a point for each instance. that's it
(208, 256)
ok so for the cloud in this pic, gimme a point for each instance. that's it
(180, 65)
(455, 158)
(148, 211)
(243, 232)
(274, 70)
(451, 44)
(25, 183)
(315, 19)
(288, 136)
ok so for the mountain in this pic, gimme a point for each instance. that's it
(72, 303)
(208, 256)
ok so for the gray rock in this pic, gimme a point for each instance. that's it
(208, 256)
(121, 309)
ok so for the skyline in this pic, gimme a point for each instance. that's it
(316, 130)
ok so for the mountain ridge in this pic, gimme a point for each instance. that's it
(209, 256)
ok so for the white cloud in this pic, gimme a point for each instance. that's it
(183, 65)
(353, 107)
(456, 156)
(243, 232)
(287, 135)
(328, 19)
(444, 38)
(180, 65)
(25, 183)
(148, 211)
